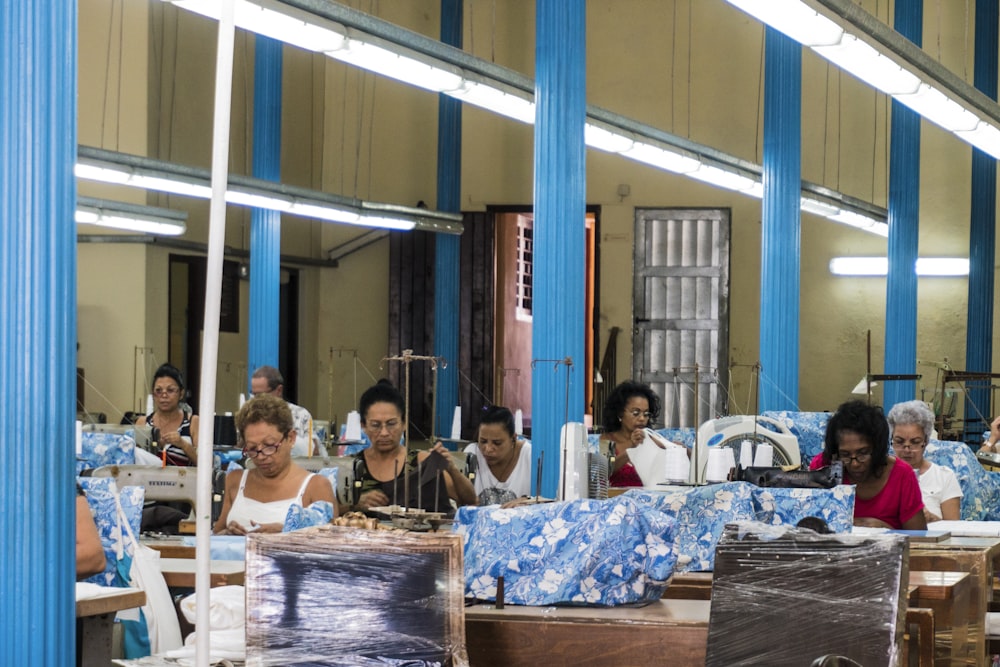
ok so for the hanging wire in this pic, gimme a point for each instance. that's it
(771, 383)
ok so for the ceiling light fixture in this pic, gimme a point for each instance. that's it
(131, 217)
(368, 42)
(106, 166)
(879, 266)
(857, 42)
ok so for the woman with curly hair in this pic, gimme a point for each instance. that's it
(887, 493)
(631, 407)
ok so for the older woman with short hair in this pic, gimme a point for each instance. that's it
(912, 423)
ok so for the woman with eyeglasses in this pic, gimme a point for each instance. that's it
(387, 471)
(912, 423)
(176, 429)
(887, 494)
(630, 408)
(258, 499)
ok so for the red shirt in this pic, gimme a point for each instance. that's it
(897, 502)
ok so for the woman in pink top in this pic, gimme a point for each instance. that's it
(888, 493)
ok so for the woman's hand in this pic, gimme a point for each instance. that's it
(991, 444)
(234, 528)
(870, 522)
(637, 436)
(930, 517)
(370, 499)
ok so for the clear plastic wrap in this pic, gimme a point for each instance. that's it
(789, 596)
(351, 597)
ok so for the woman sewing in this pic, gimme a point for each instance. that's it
(504, 471)
(887, 494)
(258, 499)
(631, 407)
(912, 423)
(176, 429)
(388, 471)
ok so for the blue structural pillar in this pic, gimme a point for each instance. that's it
(38, 47)
(982, 232)
(265, 225)
(447, 246)
(904, 227)
(779, 281)
(558, 326)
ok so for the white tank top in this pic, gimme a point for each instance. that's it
(246, 509)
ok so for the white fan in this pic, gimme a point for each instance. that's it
(733, 430)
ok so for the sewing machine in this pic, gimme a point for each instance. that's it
(169, 483)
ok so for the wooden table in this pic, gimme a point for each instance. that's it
(977, 556)
(95, 623)
(169, 547)
(608, 636)
(180, 572)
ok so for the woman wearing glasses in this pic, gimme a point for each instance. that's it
(631, 407)
(177, 429)
(385, 469)
(258, 499)
(887, 494)
(912, 423)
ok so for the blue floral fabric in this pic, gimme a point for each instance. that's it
(104, 449)
(702, 512)
(980, 487)
(100, 492)
(605, 552)
(808, 427)
(317, 514)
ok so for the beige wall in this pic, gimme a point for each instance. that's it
(351, 133)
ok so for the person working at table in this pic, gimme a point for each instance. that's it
(89, 550)
(388, 471)
(259, 498)
(887, 493)
(629, 409)
(268, 380)
(504, 470)
(912, 423)
(176, 428)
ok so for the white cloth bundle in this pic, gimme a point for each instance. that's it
(227, 626)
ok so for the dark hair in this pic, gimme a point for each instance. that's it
(619, 396)
(267, 409)
(168, 371)
(868, 421)
(381, 392)
(271, 374)
(498, 414)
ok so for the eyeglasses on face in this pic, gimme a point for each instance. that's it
(908, 445)
(860, 457)
(252, 450)
(636, 413)
(166, 391)
(376, 427)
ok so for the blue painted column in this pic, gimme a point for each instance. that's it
(779, 276)
(265, 225)
(38, 60)
(559, 225)
(904, 228)
(447, 246)
(982, 232)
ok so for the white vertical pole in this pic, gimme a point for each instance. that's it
(210, 335)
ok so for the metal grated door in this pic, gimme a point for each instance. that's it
(681, 306)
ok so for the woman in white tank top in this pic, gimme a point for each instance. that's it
(259, 499)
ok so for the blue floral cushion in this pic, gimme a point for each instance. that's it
(317, 514)
(808, 427)
(100, 495)
(683, 436)
(980, 487)
(789, 506)
(701, 512)
(608, 552)
(104, 449)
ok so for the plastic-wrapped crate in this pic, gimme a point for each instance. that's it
(349, 597)
(789, 596)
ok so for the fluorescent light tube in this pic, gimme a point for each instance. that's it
(935, 106)
(794, 19)
(879, 266)
(492, 98)
(606, 140)
(130, 217)
(723, 178)
(864, 62)
(662, 158)
(408, 68)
